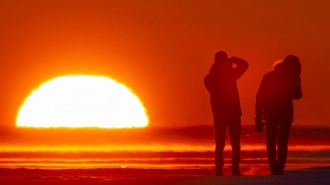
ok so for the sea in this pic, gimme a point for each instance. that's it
(152, 151)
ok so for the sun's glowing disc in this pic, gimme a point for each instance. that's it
(82, 101)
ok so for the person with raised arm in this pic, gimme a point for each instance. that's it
(225, 103)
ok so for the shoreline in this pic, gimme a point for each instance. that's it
(307, 176)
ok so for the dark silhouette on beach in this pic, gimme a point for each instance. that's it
(225, 103)
(274, 105)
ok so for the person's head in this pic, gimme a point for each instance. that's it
(289, 65)
(221, 59)
(220, 56)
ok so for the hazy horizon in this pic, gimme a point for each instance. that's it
(203, 134)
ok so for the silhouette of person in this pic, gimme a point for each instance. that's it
(274, 105)
(225, 104)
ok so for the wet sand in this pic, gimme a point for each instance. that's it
(315, 176)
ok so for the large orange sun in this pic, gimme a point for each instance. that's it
(82, 101)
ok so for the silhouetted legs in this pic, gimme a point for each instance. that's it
(220, 139)
(277, 133)
(221, 122)
(283, 139)
(234, 127)
(271, 134)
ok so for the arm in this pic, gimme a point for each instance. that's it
(208, 83)
(241, 67)
(297, 93)
(259, 106)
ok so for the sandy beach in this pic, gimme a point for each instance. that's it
(310, 176)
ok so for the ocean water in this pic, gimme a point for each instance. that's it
(165, 149)
(150, 157)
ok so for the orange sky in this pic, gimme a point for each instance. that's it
(163, 49)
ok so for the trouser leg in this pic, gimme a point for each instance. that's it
(220, 138)
(271, 134)
(234, 127)
(283, 139)
(220, 135)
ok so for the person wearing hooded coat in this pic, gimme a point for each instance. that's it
(274, 105)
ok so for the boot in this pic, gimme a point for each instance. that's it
(219, 172)
(235, 171)
(276, 171)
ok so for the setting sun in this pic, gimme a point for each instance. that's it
(82, 101)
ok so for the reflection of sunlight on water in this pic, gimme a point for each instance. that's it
(203, 163)
(149, 148)
(108, 148)
(105, 165)
(143, 160)
(151, 156)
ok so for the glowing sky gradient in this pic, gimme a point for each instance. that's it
(163, 49)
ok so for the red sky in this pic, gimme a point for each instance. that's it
(163, 49)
